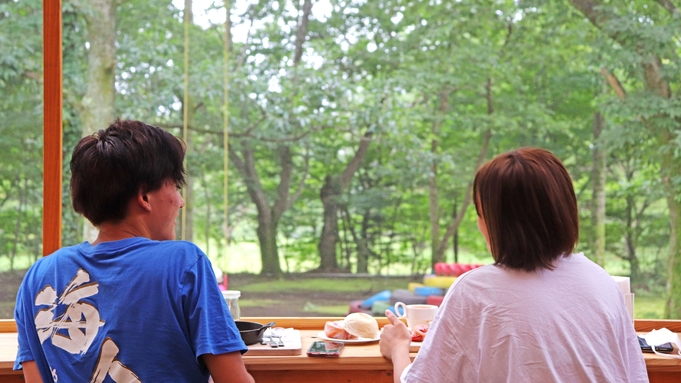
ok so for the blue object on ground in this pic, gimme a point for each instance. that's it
(428, 290)
(382, 296)
(392, 308)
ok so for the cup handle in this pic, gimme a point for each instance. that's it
(397, 310)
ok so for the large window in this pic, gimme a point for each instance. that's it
(21, 82)
(355, 128)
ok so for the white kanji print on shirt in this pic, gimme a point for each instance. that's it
(109, 365)
(75, 330)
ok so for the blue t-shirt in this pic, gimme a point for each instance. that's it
(128, 310)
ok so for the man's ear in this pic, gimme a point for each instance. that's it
(142, 199)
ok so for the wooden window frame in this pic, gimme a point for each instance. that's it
(52, 125)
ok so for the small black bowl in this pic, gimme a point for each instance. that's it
(251, 332)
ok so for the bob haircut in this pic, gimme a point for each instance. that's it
(529, 206)
(111, 166)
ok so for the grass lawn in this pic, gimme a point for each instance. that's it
(311, 295)
(340, 285)
(648, 306)
(331, 296)
(307, 295)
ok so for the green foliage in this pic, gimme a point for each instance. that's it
(21, 146)
(411, 73)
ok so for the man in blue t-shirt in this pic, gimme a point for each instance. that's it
(134, 305)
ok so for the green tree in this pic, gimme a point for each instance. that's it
(647, 34)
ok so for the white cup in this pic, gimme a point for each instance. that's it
(416, 314)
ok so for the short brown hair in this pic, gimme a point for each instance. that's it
(528, 202)
(111, 166)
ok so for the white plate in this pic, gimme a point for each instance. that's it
(323, 336)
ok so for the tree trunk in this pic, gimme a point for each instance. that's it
(227, 49)
(97, 108)
(17, 227)
(363, 251)
(434, 205)
(301, 31)
(268, 216)
(267, 239)
(433, 197)
(345, 244)
(361, 240)
(671, 168)
(454, 225)
(188, 209)
(206, 195)
(330, 194)
(187, 214)
(670, 164)
(630, 239)
(598, 188)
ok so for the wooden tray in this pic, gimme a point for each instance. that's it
(292, 345)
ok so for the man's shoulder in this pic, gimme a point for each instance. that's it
(177, 246)
(140, 244)
(172, 254)
(58, 255)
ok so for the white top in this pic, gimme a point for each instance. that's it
(500, 325)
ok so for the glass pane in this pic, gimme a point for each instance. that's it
(355, 127)
(21, 113)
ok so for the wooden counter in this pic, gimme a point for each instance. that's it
(359, 363)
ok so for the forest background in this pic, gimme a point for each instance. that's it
(355, 127)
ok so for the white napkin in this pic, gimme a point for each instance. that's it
(284, 333)
(661, 336)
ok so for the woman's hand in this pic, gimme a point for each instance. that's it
(395, 341)
(395, 337)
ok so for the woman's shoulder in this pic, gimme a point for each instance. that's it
(478, 279)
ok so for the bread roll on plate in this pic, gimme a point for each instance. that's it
(361, 325)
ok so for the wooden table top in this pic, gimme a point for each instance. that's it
(365, 355)
(353, 356)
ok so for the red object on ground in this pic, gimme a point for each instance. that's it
(434, 300)
(441, 268)
(453, 269)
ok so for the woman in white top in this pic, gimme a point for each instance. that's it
(538, 314)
